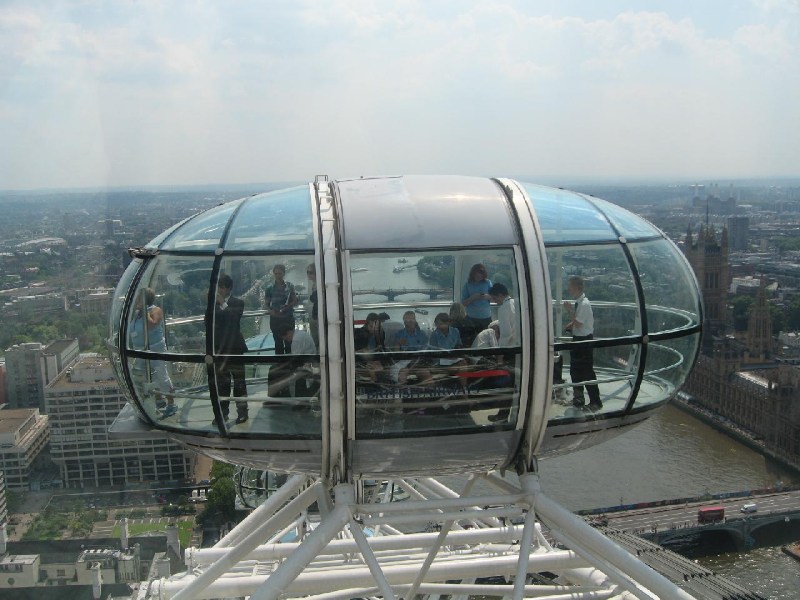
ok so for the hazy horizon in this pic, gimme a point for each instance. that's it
(179, 93)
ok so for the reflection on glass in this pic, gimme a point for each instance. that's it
(181, 288)
(174, 393)
(567, 217)
(432, 393)
(615, 369)
(282, 399)
(668, 365)
(410, 337)
(629, 225)
(275, 221)
(669, 288)
(120, 293)
(204, 231)
(428, 284)
(156, 241)
(270, 306)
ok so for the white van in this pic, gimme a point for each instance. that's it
(749, 508)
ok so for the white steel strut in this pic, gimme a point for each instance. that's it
(512, 542)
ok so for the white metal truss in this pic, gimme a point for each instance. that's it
(513, 542)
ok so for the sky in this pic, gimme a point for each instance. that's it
(105, 94)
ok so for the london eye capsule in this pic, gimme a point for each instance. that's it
(397, 326)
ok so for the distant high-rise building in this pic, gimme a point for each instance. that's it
(83, 402)
(25, 375)
(739, 232)
(31, 366)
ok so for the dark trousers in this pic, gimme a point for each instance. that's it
(227, 373)
(581, 368)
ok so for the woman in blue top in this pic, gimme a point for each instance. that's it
(155, 342)
(445, 337)
(475, 298)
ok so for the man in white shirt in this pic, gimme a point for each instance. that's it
(507, 323)
(581, 324)
(302, 342)
(489, 337)
(506, 315)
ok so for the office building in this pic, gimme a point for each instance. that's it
(82, 403)
(24, 433)
(739, 233)
(31, 366)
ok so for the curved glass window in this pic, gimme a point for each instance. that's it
(255, 314)
(180, 291)
(266, 357)
(567, 217)
(580, 372)
(628, 224)
(433, 349)
(607, 283)
(120, 294)
(156, 241)
(594, 297)
(669, 290)
(204, 231)
(275, 221)
(668, 365)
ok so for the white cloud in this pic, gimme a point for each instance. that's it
(174, 93)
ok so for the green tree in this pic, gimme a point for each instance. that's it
(220, 506)
(221, 470)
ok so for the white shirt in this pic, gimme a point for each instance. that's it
(303, 343)
(584, 316)
(486, 339)
(507, 315)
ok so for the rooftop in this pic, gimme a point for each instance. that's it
(12, 419)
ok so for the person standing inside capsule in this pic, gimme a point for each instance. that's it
(475, 298)
(228, 339)
(506, 315)
(509, 336)
(581, 324)
(280, 299)
(155, 341)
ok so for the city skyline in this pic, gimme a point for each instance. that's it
(195, 94)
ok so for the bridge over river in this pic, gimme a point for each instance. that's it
(777, 512)
(392, 293)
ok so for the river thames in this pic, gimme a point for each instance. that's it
(674, 455)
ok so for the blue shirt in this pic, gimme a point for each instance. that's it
(413, 341)
(479, 309)
(446, 342)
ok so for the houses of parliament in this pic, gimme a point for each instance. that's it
(739, 375)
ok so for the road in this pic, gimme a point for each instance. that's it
(685, 515)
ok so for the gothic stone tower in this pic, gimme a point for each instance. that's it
(709, 259)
